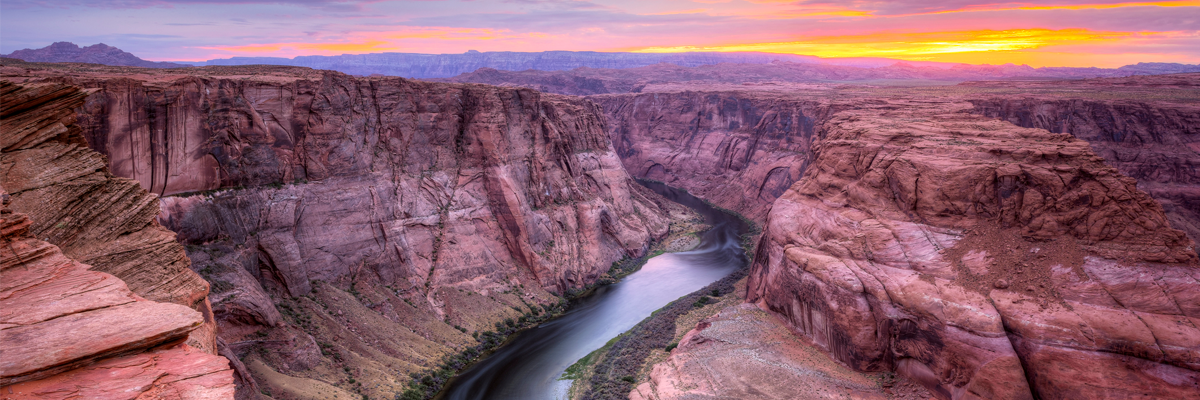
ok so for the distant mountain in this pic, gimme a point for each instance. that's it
(413, 65)
(590, 81)
(426, 66)
(94, 54)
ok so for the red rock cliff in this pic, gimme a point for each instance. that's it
(356, 230)
(739, 150)
(982, 259)
(72, 330)
(1154, 141)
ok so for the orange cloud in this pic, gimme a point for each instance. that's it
(413, 39)
(1178, 3)
(960, 46)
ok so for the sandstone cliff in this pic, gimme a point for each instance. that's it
(981, 259)
(72, 330)
(357, 230)
(1156, 141)
(739, 150)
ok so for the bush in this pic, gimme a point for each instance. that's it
(672, 346)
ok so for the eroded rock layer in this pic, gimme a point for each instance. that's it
(357, 230)
(68, 329)
(981, 259)
(739, 150)
(1156, 141)
(76, 204)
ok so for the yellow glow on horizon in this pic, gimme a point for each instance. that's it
(1176, 3)
(962, 46)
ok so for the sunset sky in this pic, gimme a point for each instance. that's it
(1073, 33)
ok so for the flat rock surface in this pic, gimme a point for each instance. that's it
(747, 353)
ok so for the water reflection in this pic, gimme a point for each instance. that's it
(528, 367)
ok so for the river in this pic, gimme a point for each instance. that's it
(529, 366)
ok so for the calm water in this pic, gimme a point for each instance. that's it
(528, 367)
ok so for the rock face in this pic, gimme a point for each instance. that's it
(1155, 142)
(101, 53)
(356, 230)
(393, 177)
(746, 353)
(739, 150)
(77, 205)
(981, 259)
(68, 330)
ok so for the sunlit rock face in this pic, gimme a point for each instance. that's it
(981, 259)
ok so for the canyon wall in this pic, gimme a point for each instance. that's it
(1155, 142)
(134, 323)
(358, 230)
(981, 259)
(739, 150)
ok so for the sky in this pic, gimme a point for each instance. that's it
(1072, 33)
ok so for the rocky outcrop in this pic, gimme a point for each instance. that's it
(739, 150)
(393, 177)
(77, 205)
(357, 230)
(67, 329)
(67, 52)
(1154, 141)
(743, 352)
(981, 259)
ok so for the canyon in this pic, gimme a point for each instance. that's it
(364, 229)
(1030, 239)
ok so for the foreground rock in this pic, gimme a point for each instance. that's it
(982, 260)
(358, 230)
(746, 353)
(68, 330)
(93, 216)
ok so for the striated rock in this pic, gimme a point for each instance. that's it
(740, 150)
(357, 230)
(891, 250)
(1154, 140)
(168, 372)
(387, 176)
(77, 205)
(746, 353)
(67, 329)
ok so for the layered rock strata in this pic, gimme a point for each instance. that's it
(67, 329)
(356, 230)
(981, 259)
(1154, 140)
(743, 352)
(76, 204)
(739, 150)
